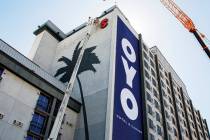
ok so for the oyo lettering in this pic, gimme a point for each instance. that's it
(126, 95)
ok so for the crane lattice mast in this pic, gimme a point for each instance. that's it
(186, 21)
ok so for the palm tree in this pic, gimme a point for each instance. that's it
(89, 58)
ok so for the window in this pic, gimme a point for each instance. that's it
(154, 82)
(175, 132)
(145, 56)
(159, 131)
(161, 75)
(151, 55)
(160, 67)
(1, 72)
(169, 127)
(164, 93)
(167, 82)
(57, 106)
(166, 74)
(148, 85)
(152, 63)
(162, 83)
(170, 100)
(150, 110)
(169, 92)
(153, 73)
(43, 103)
(172, 111)
(29, 137)
(145, 48)
(157, 117)
(155, 93)
(146, 65)
(186, 133)
(165, 103)
(149, 98)
(151, 125)
(173, 121)
(157, 104)
(147, 74)
(37, 123)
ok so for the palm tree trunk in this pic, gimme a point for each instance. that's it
(84, 110)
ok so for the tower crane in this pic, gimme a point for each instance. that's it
(187, 22)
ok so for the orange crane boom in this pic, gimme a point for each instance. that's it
(186, 21)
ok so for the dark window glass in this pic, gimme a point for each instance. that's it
(1, 71)
(147, 74)
(151, 55)
(145, 56)
(153, 73)
(157, 104)
(162, 83)
(37, 123)
(43, 103)
(151, 125)
(173, 121)
(166, 74)
(57, 106)
(169, 92)
(149, 98)
(155, 92)
(148, 86)
(146, 65)
(152, 63)
(154, 82)
(157, 117)
(175, 132)
(150, 110)
(29, 137)
(160, 67)
(145, 48)
(159, 130)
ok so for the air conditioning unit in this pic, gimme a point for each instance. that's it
(18, 123)
(1, 116)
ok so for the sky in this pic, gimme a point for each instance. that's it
(19, 18)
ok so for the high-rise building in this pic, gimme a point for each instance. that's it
(170, 113)
(123, 89)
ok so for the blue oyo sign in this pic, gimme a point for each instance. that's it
(127, 117)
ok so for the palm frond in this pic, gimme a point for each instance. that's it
(61, 71)
(65, 60)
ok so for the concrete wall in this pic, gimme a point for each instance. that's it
(17, 102)
(43, 50)
(68, 126)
